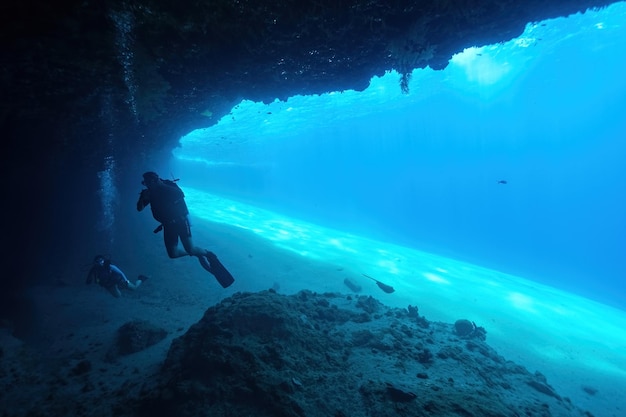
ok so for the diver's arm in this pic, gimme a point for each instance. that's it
(144, 199)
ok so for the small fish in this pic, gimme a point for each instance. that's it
(503, 182)
(386, 288)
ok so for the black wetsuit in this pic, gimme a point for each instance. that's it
(168, 206)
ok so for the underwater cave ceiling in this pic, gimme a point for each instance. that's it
(149, 71)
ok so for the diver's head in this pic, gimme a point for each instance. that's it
(98, 260)
(150, 178)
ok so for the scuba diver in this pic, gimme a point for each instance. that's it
(112, 278)
(167, 202)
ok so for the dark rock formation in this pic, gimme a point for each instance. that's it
(165, 68)
(266, 354)
(134, 336)
(464, 327)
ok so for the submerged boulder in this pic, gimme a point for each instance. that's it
(309, 354)
(134, 336)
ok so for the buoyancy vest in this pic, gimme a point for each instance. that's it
(167, 202)
(103, 275)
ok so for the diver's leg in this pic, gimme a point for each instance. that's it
(127, 285)
(115, 292)
(190, 248)
(170, 238)
(133, 286)
(185, 238)
(140, 280)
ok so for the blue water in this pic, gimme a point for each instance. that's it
(545, 112)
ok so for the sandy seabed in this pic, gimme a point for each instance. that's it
(66, 366)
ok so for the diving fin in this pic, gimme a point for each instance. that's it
(210, 262)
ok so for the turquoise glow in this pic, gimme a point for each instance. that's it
(446, 289)
(405, 188)
(543, 111)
